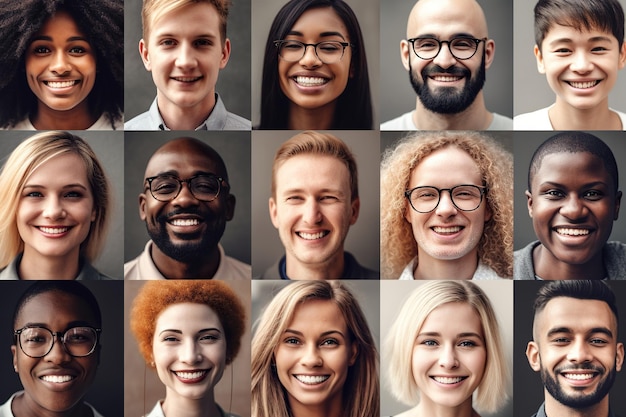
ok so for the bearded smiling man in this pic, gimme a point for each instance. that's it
(185, 203)
(446, 53)
(575, 347)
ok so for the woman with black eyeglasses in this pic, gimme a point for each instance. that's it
(315, 70)
(56, 350)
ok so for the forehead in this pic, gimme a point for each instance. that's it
(312, 171)
(191, 19)
(445, 318)
(187, 316)
(320, 312)
(443, 18)
(185, 159)
(56, 309)
(572, 33)
(320, 20)
(562, 167)
(449, 164)
(580, 316)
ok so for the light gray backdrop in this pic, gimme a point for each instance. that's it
(532, 91)
(397, 95)
(233, 147)
(363, 237)
(264, 12)
(233, 83)
(109, 148)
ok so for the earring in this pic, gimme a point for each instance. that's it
(152, 364)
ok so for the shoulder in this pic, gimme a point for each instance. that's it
(404, 122)
(500, 122)
(104, 123)
(157, 411)
(614, 254)
(5, 409)
(236, 122)
(142, 266)
(355, 270)
(485, 273)
(92, 274)
(141, 122)
(407, 272)
(536, 120)
(622, 117)
(9, 272)
(273, 272)
(231, 268)
(523, 268)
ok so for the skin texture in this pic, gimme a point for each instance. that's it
(185, 53)
(313, 211)
(54, 217)
(444, 20)
(446, 253)
(316, 343)
(56, 311)
(186, 251)
(575, 346)
(573, 206)
(60, 53)
(449, 359)
(312, 106)
(581, 68)
(189, 348)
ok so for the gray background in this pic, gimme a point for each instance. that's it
(528, 389)
(108, 147)
(397, 95)
(233, 83)
(142, 383)
(233, 147)
(532, 91)
(525, 145)
(393, 295)
(363, 237)
(264, 12)
(109, 375)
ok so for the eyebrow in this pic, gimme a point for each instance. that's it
(569, 40)
(175, 173)
(69, 325)
(557, 184)
(324, 190)
(208, 329)
(174, 35)
(49, 39)
(321, 35)
(460, 335)
(68, 186)
(327, 333)
(603, 330)
(455, 35)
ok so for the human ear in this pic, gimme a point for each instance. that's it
(231, 201)
(354, 354)
(619, 357)
(273, 212)
(532, 354)
(225, 53)
(14, 353)
(540, 66)
(529, 203)
(405, 53)
(355, 206)
(618, 202)
(142, 207)
(622, 56)
(145, 56)
(490, 52)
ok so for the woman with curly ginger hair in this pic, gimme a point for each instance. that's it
(62, 64)
(447, 208)
(189, 331)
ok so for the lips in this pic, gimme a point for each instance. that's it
(577, 376)
(312, 379)
(57, 379)
(61, 84)
(448, 380)
(187, 79)
(445, 78)
(447, 230)
(583, 84)
(185, 222)
(191, 375)
(313, 236)
(567, 231)
(306, 81)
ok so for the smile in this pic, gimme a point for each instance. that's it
(572, 232)
(184, 222)
(312, 379)
(578, 377)
(310, 81)
(448, 380)
(447, 230)
(53, 230)
(445, 78)
(312, 236)
(190, 375)
(583, 84)
(187, 79)
(57, 379)
(61, 84)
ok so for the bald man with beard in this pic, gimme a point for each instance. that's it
(446, 52)
(185, 203)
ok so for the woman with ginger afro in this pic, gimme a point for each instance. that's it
(189, 331)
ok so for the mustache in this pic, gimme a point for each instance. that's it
(579, 367)
(435, 69)
(162, 218)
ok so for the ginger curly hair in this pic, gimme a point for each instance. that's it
(156, 296)
(398, 245)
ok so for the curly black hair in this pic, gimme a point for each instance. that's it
(102, 21)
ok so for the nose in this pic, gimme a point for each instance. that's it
(581, 63)
(58, 354)
(189, 352)
(445, 208)
(185, 198)
(444, 58)
(579, 352)
(573, 208)
(60, 63)
(447, 358)
(311, 357)
(186, 57)
(310, 58)
(312, 213)
(53, 209)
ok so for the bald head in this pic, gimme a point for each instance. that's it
(430, 17)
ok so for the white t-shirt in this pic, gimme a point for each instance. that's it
(405, 122)
(540, 120)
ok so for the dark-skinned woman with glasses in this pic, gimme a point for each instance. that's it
(315, 71)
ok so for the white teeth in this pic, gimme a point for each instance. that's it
(190, 375)
(454, 229)
(578, 377)
(446, 78)
(57, 379)
(585, 84)
(54, 230)
(185, 222)
(448, 380)
(311, 236)
(311, 81)
(187, 79)
(572, 232)
(61, 84)
(312, 379)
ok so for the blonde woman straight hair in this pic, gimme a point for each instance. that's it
(23, 161)
(361, 389)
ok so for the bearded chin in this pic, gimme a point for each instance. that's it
(448, 100)
(580, 401)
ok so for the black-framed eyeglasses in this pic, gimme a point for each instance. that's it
(37, 341)
(203, 187)
(329, 52)
(465, 197)
(461, 47)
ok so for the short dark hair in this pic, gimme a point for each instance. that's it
(574, 142)
(74, 288)
(580, 289)
(354, 105)
(604, 15)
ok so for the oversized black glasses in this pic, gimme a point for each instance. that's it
(328, 52)
(203, 187)
(37, 341)
(461, 47)
(464, 197)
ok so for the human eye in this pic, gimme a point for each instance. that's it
(554, 194)
(167, 42)
(468, 343)
(292, 45)
(40, 50)
(593, 195)
(294, 199)
(209, 338)
(73, 194)
(426, 43)
(561, 51)
(463, 43)
(77, 50)
(292, 341)
(33, 194)
(429, 342)
(203, 42)
(598, 341)
(330, 342)
(330, 46)
(425, 193)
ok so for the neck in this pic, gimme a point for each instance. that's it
(203, 266)
(555, 409)
(24, 406)
(565, 117)
(427, 408)
(320, 118)
(475, 117)
(331, 269)
(547, 267)
(77, 118)
(432, 268)
(185, 118)
(37, 266)
(330, 408)
(177, 406)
